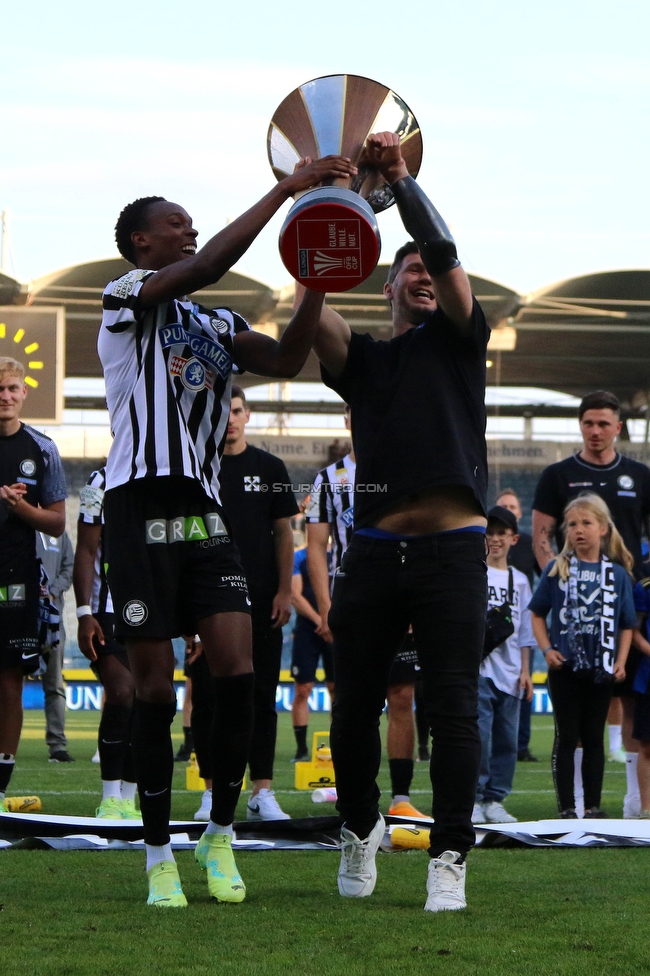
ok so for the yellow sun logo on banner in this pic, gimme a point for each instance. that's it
(29, 350)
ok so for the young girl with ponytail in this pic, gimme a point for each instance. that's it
(587, 590)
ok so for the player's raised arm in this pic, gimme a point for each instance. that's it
(332, 339)
(261, 354)
(193, 271)
(427, 228)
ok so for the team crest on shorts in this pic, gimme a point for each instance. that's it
(28, 467)
(135, 613)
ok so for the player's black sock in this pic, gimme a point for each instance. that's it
(7, 763)
(154, 764)
(189, 739)
(401, 776)
(232, 731)
(113, 739)
(128, 762)
(300, 732)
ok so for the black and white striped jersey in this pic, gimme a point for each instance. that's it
(168, 375)
(332, 501)
(91, 511)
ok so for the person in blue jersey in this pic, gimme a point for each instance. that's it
(587, 590)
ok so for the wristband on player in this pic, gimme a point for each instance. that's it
(426, 226)
(83, 612)
(547, 649)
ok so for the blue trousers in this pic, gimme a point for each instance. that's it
(498, 721)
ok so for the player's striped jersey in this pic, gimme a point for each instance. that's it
(168, 375)
(91, 511)
(332, 501)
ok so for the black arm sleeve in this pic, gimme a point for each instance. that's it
(426, 227)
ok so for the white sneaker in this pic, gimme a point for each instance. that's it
(264, 806)
(477, 814)
(617, 755)
(631, 807)
(203, 813)
(357, 871)
(495, 812)
(95, 758)
(446, 883)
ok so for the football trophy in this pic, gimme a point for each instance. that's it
(330, 239)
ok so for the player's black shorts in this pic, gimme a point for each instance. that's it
(308, 649)
(405, 668)
(641, 725)
(170, 558)
(111, 647)
(19, 622)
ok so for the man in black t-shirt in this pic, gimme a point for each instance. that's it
(418, 552)
(624, 484)
(259, 503)
(32, 498)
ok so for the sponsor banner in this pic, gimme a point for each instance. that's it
(86, 696)
(505, 453)
(539, 454)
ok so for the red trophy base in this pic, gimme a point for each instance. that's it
(330, 240)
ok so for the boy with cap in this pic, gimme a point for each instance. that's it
(504, 676)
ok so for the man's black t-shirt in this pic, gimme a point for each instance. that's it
(624, 485)
(255, 490)
(418, 412)
(30, 457)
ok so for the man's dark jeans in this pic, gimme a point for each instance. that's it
(438, 584)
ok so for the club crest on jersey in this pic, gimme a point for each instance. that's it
(205, 349)
(135, 613)
(28, 467)
(626, 482)
(220, 326)
(193, 374)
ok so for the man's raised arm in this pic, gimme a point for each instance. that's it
(427, 228)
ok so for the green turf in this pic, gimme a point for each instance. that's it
(530, 911)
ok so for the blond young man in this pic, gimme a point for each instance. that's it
(32, 499)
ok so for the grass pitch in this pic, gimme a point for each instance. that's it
(534, 911)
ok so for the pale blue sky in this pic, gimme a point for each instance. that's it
(535, 121)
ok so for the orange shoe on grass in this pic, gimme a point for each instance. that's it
(405, 809)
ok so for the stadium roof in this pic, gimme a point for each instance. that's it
(578, 335)
(585, 333)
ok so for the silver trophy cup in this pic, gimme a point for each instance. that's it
(330, 239)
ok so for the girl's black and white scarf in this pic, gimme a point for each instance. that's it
(605, 651)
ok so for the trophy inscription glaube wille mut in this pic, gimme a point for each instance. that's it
(330, 239)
